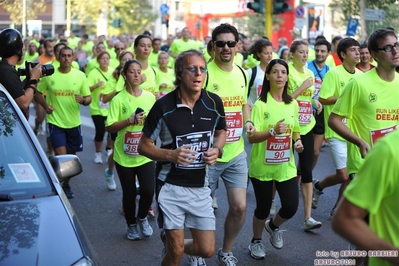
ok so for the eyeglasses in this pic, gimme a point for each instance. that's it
(194, 69)
(221, 44)
(388, 48)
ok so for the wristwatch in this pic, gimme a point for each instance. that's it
(32, 81)
(272, 132)
(221, 151)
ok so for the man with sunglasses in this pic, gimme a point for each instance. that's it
(191, 125)
(230, 82)
(370, 102)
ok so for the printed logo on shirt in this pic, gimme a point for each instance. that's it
(342, 84)
(52, 83)
(216, 87)
(266, 115)
(372, 97)
(124, 110)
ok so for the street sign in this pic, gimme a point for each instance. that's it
(299, 23)
(352, 26)
(299, 11)
(164, 8)
(374, 14)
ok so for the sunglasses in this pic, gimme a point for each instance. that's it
(221, 44)
(194, 70)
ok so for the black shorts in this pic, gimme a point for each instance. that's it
(318, 128)
(113, 135)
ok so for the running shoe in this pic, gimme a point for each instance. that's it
(132, 233)
(257, 250)
(276, 236)
(229, 260)
(311, 224)
(109, 180)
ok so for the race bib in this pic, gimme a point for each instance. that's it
(234, 126)
(199, 142)
(379, 133)
(101, 104)
(278, 149)
(131, 142)
(305, 112)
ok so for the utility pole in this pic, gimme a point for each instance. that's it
(269, 19)
(363, 32)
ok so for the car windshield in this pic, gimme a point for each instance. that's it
(22, 172)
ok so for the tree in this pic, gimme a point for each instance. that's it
(136, 15)
(350, 8)
(14, 7)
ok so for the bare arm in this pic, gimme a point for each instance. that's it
(330, 101)
(212, 154)
(348, 222)
(306, 84)
(336, 124)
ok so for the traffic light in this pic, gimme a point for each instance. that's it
(258, 6)
(280, 6)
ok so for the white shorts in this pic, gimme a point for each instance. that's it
(339, 152)
(189, 207)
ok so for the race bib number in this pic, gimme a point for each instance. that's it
(101, 104)
(131, 142)
(305, 112)
(199, 142)
(379, 133)
(278, 149)
(234, 126)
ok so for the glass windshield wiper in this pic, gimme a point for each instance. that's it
(4, 197)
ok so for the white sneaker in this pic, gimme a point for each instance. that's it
(229, 260)
(316, 195)
(109, 180)
(311, 224)
(97, 158)
(257, 250)
(132, 232)
(145, 227)
(276, 236)
(196, 261)
(273, 208)
(214, 202)
(109, 152)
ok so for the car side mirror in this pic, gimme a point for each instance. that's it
(66, 166)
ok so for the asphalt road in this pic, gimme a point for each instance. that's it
(99, 212)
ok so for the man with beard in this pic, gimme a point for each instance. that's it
(230, 82)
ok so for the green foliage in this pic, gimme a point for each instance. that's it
(350, 8)
(15, 7)
(136, 15)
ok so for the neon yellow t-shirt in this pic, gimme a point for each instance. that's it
(149, 85)
(56, 64)
(206, 55)
(88, 47)
(31, 58)
(153, 59)
(111, 52)
(178, 46)
(330, 61)
(370, 105)
(111, 85)
(60, 89)
(73, 42)
(97, 107)
(238, 59)
(232, 89)
(265, 116)
(311, 54)
(122, 107)
(333, 85)
(92, 64)
(376, 189)
(167, 78)
(295, 80)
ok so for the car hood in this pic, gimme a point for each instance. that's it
(38, 232)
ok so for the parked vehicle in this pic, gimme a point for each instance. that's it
(37, 223)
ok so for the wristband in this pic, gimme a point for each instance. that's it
(272, 132)
(32, 81)
(83, 102)
(297, 140)
(32, 87)
(249, 121)
(220, 152)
